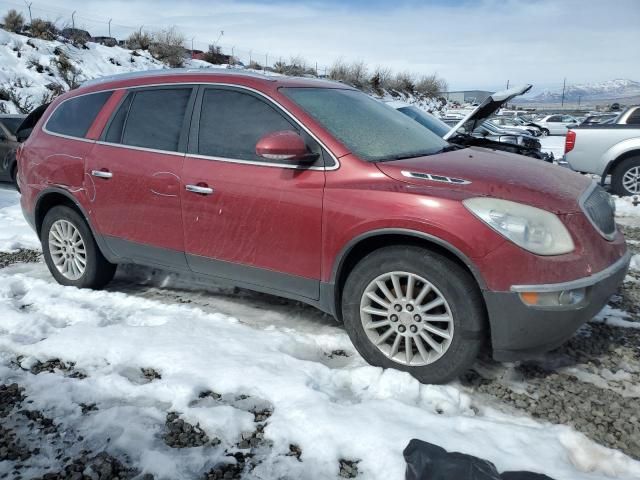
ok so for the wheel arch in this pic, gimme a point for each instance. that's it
(611, 166)
(368, 242)
(54, 196)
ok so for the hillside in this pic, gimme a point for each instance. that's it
(32, 71)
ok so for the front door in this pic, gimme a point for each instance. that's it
(248, 219)
(133, 176)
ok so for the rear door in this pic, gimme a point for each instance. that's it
(258, 222)
(133, 175)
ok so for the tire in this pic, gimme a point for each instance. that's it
(545, 132)
(463, 306)
(625, 178)
(97, 270)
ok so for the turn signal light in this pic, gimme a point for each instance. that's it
(560, 298)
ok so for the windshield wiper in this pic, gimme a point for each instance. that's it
(450, 148)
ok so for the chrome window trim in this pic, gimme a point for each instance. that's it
(583, 282)
(142, 149)
(70, 137)
(335, 166)
(583, 198)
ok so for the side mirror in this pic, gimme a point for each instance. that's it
(284, 145)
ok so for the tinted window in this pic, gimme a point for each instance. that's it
(555, 118)
(155, 118)
(231, 123)
(12, 123)
(114, 132)
(74, 116)
(370, 129)
(634, 118)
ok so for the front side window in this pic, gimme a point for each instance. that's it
(369, 128)
(154, 119)
(75, 116)
(232, 122)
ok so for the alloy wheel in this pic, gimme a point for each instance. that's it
(67, 249)
(631, 180)
(407, 318)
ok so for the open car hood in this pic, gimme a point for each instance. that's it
(487, 108)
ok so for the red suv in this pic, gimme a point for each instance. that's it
(317, 192)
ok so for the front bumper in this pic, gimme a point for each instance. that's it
(519, 331)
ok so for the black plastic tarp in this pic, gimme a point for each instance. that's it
(431, 462)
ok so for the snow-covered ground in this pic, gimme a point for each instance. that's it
(286, 357)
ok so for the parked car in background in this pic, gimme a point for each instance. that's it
(517, 124)
(600, 118)
(8, 143)
(556, 124)
(481, 137)
(608, 149)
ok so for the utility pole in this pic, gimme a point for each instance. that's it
(110, 26)
(579, 96)
(564, 84)
(507, 84)
(73, 20)
(266, 61)
(29, 7)
(250, 59)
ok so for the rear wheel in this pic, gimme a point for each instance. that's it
(407, 308)
(625, 179)
(70, 251)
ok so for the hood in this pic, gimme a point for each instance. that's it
(478, 172)
(487, 108)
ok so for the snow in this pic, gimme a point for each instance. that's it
(280, 354)
(15, 233)
(553, 144)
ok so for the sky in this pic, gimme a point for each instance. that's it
(471, 44)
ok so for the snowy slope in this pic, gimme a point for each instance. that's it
(19, 53)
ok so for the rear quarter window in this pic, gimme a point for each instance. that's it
(74, 117)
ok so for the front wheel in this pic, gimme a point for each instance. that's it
(625, 179)
(407, 308)
(71, 252)
(545, 132)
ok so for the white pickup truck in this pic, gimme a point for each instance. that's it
(608, 149)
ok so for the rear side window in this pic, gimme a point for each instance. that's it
(154, 119)
(73, 117)
(555, 118)
(634, 118)
(231, 123)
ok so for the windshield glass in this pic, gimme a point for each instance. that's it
(426, 120)
(369, 128)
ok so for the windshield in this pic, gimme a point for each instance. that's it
(426, 120)
(369, 128)
(12, 123)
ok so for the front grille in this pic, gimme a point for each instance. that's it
(600, 212)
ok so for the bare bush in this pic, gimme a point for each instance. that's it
(22, 102)
(214, 56)
(33, 62)
(254, 65)
(297, 66)
(430, 85)
(355, 74)
(168, 47)
(43, 29)
(339, 71)
(3, 108)
(69, 73)
(13, 21)
(139, 40)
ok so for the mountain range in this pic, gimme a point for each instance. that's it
(611, 90)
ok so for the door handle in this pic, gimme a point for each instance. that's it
(101, 174)
(199, 189)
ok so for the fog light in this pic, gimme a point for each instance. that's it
(560, 298)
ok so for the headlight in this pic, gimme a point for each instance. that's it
(533, 229)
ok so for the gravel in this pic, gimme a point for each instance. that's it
(182, 434)
(21, 256)
(348, 468)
